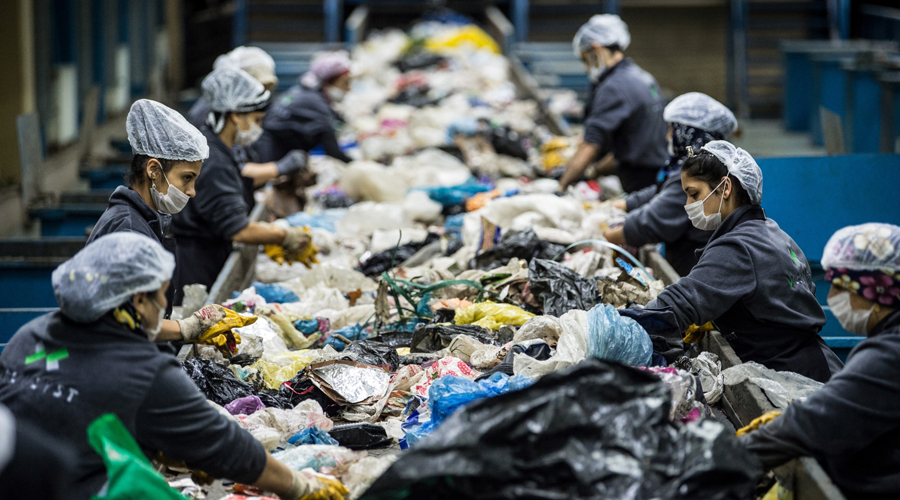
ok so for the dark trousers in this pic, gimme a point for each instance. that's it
(636, 178)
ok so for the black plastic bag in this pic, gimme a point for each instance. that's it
(216, 382)
(559, 288)
(418, 60)
(508, 142)
(395, 339)
(524, 245)
(597, 430)
(381, 262)
(375, 353)
(299, 389)
(362, 436)
(434, 337)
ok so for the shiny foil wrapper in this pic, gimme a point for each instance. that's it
(352, 382)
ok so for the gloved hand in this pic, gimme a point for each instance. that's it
(695, 333)
(295, 239)
(202, 320)
(310, 485)
(292, 162)
(758, 422)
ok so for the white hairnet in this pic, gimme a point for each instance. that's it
(867, 247)
(104, 274)
(254, 60)
(232, 90)
(326, 66)
(161, 132)
(604, 30)
(701, 111)
(741, 165)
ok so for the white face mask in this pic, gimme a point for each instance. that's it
(699, 218)
(335, 94)
(596, 70)
(172, 202)
(670, 148)
(852, 320)
(152, 334)
(248, 137)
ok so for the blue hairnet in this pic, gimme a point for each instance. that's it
(106, 273)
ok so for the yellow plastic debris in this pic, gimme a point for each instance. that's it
(695, 333)
(221, 334)
(491, 315)
(779, 492)
(758, 422)
(464, 35)
(333, 489)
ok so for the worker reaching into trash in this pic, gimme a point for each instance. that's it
(303, 117)
(752, 281)
(260, 65)
(851, 426)
(219, 213)
(168, 155)
(95, 356)
(626, 108)
(656, 213)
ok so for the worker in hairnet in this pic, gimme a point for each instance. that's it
(219, 213)
(626, 108)
(168, 155)
(95, 355)
(752, 281)
(303, 117)
(851, 426)
(656, 213)
(260, 65)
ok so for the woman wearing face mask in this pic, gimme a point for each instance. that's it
(168, 155)
(752, 280)
(93, 356)
(851, 426)
(656, 213)
(218, 214)
(303, 117)
(625, 116)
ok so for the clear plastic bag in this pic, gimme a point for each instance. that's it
(613, 337)
(781, 388)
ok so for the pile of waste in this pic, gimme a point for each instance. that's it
(454, 293)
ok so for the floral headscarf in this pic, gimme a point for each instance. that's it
(865, 260)
(682, 137)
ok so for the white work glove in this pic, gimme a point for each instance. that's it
(309, 483)
(295, 239)
(292, 162)
(202, 320)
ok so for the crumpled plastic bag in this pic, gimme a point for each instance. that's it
(491, 315)
(571, 348)
(612, 337)
(312, 435)
(433, 337)
(282, 323)
(321, 458)
(247, 405)
(279, 369)
(363, 473)
(288, 422)
(559, 288)
(708, 367)
(782, 388)
(595, 430)
(217, 383)
(222, 334)
(274, 293)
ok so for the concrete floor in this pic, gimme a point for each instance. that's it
(768, 138)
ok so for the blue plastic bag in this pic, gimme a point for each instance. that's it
(275, 293)
(613, 337)
(353, 332)
(312, 435)
(325, 220)
(455, 195)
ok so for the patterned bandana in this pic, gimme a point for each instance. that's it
(682, 137)
(876, 286)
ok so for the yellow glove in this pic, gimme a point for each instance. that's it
(332, 489)
(306, 255)
(695, 333)
(221, 334)
(758, 421)
(310, 485)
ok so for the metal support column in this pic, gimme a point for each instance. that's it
(334, 14)
(739, 57)
(239, 24)
(611, 7)
(520, 19)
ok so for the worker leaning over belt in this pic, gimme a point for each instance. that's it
(303, 117)
(852, 424)
(626, 108)
(98, 358)
(218, 214)
(656, 213)
(260, 65)
(168, 155)
(752, 281)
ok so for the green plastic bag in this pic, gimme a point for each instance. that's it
(131, 476)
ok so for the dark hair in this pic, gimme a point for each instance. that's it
(615, 48)
(709, 169)
(139, 166)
